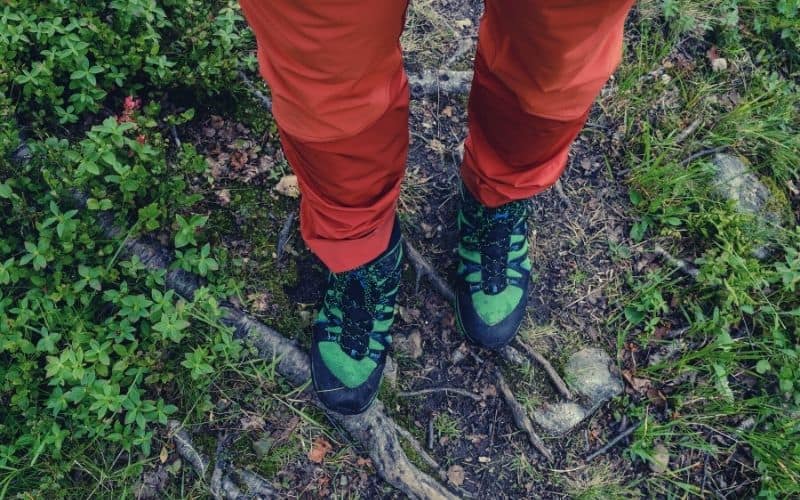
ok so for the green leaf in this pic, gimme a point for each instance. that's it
(763, 367)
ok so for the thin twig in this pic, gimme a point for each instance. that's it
(685, 133)
(702, 153)
(455, 390)
(627, 432)
(424, 268)
(681, 264)
(558, 382)
(430, 434)
(521, 417)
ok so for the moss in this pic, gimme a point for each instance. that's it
(253, 215)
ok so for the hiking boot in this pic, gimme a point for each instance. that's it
(493, 271)
(351, 332)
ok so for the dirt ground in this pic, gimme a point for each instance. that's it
(581, 254)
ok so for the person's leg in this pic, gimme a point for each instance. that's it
(340, 99)
(539, 66)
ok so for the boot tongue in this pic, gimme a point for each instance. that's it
(494, 253)
(357, 322)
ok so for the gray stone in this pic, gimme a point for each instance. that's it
(659, 462)
(263, 445)
(559, 418)
(588, 373)
(734, 180)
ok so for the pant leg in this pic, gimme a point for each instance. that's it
(539, 66)
(340, 99)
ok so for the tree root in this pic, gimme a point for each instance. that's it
(558, 382)
(373, 429)
(424, 268)
(521, 416)
(226, 481)
(454, 390)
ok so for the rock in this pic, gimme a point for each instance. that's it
(262, 446)
(588, 373)
(559, 418)
(411, 345)
(660, 459)
(734, 180)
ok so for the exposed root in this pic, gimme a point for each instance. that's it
(424, 268)
(224, 478)
(412, 441)
(454, 390)
(431, 82)
(558, 382)
(521, 417)
(187, 451)
(681, 264)
(373, 429)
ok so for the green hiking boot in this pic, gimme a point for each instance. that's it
(493, 271)
(351, 332)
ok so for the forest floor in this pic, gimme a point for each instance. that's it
(586, 264)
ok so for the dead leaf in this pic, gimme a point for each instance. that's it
(490, 391)
(455, 474)
(224, 197)
(448, 111)
(288, 186)
(640, 385)
(163, 455)
(319, 448)
(717, 63)
(463, 23)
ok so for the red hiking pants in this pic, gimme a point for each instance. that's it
(340, 98)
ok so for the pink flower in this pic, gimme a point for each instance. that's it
(132, 104)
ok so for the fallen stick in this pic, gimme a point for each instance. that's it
(283, 236)
(423, 268)
(558, 382)
(627, 432)
(454, 390)
(521, 416)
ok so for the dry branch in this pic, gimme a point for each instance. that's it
(521, 416)
(558, 382)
